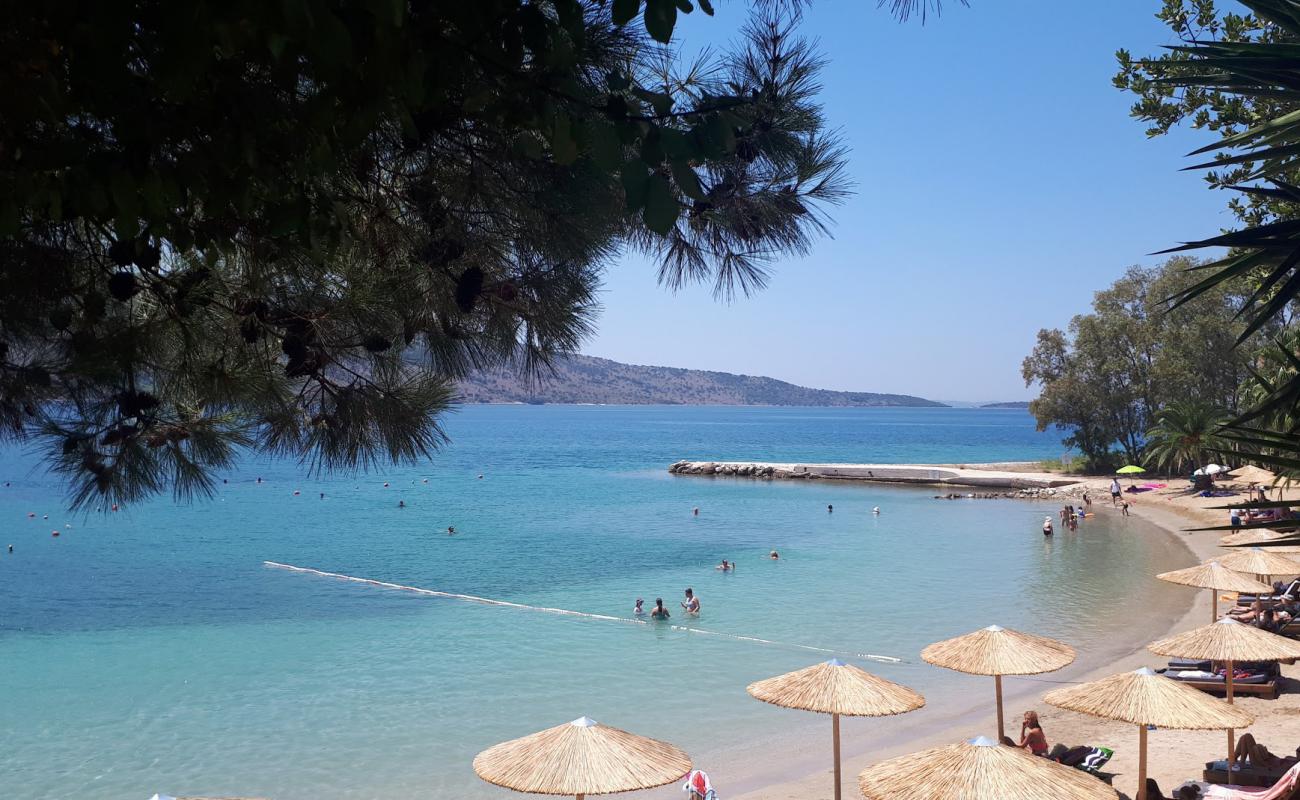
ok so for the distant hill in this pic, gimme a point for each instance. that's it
(1012, 404)
(586, 379)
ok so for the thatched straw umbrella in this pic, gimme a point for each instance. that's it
(997, 651)
(581, 758)
(1259, 562)
(1144, 698)
(1214, 576)
(1228, 640)
(838, 689)
(1249, 537)
(979, 769)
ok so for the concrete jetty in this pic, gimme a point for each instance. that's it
(927, 474)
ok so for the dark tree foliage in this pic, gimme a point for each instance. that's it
(291, 226)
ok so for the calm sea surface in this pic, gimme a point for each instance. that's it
(151, 650)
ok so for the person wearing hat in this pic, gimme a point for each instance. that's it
(1047, 526)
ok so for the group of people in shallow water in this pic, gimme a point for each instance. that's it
(691, 605)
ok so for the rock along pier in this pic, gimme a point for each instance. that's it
(924, 474)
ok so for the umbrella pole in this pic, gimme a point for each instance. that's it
(997, 684)
(835, 740)
(1142, 763)
(1232, 749)
(1214, 605)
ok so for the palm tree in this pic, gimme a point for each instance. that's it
(1184, 431)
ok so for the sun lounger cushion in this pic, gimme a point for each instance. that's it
(1187, 663)
(1192, 675)
(1256, 678)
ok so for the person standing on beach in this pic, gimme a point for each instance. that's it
(1114, 491)
(1087, 501)
(1124, 509)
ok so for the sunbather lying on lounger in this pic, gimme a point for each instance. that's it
(1250, 751)
(1248, 614)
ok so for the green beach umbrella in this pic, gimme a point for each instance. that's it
(1131, 469)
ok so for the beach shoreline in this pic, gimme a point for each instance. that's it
(876, 740)
(795, 765)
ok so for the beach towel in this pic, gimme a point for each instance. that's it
(1096, 759)
(697, 786)
(1284, 786)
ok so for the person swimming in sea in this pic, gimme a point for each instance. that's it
(1047, 526)
(696, 511)
(659, 612)
(725, 566)
(692, 604)
(830, 509)
(876, 510)
(639, 609)
(451, 530)
(401, 504)
(774, 555)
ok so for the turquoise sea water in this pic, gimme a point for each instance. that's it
(150, 650)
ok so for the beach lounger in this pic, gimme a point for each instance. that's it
(1286, 787)
(1249, 775)
(1259, 685)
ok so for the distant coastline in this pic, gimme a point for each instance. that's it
(587, 380)
(1012, 404)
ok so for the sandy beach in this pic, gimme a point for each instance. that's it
(1173, 756)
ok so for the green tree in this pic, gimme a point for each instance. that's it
(1184, 433)
(291, 226)
(1245, 79)
(1107, 381)
(1172, 90)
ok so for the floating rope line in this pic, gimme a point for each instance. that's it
(469, 598)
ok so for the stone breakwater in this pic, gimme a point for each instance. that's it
(882, 473)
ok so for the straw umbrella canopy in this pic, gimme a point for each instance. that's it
(1228, 640)
(838, 689)
(1144, 698)
(979, 769)
(1249, 537)
(997, 651)
(1258, 561)
(581, 758)
(1214, 576)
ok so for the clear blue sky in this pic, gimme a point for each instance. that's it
(1000, 182)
